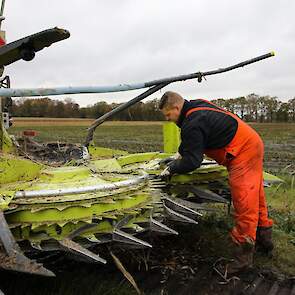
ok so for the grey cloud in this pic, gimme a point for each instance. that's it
(116, 41)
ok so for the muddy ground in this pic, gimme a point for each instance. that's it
(181, 264)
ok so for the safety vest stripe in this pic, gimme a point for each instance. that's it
(206, 109)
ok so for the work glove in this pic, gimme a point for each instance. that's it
(168, 160)
(165, 173)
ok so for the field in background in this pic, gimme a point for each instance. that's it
(22, 122)
(141, 136)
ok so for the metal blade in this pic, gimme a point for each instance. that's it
(122, 222)
(159, 227)
(207, 195)
(15, 260)
(191, 205)
(122, 237)
(81, 230)
(177, 216)
(78, 249)
(155, 179)
(157, 185)
(6, 237)
(156, 182)
(173, 204)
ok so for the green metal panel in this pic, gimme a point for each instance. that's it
(101, 152)
(76, 213)
(137, 158)
(6, 144)
(14, 169)
(171, 137)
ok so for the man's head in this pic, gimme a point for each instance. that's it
(171, 104)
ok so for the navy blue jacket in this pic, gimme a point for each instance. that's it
(203, 129)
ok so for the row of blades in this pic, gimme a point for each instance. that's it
(175, 209)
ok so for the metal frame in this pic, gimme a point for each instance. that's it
(29, 92)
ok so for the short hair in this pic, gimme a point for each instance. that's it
(170, 99)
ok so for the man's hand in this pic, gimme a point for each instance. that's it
(168, 160)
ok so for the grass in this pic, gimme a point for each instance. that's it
(27, 121)
(276, 132)
(130, 136)
(281, 205)
(143, 136)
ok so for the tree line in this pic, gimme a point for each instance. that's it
(46, 107)
(251, 108)
(255, 108)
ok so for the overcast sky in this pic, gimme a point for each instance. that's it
(117, 41)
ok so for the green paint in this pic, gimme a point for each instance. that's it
(75, 213)
(108, 165)
(171, 135)
(6, 144)
(101, 152)
(5, 201)
(62, 174)
(37, 232)
(200, 177)
(272, 178)
(137, 158)
(14, 169)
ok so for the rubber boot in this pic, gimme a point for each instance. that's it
(242, 257)
(264, 242)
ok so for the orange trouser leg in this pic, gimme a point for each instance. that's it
(246, 184)
(263, 219)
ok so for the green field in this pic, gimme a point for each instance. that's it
(130, 136)
(279, 138)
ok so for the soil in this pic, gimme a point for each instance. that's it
(182, 264)
(52, 153)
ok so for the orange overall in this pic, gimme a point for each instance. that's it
(243, 157)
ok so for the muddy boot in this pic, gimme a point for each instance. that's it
(264, 242)
(242, 258)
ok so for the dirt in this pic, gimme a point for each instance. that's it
(52, 153)
(181, 264)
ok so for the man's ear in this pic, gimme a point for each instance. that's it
(177, 107)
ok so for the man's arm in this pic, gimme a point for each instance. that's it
(191, 149)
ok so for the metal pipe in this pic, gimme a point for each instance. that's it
(2, 18)
(120, 108)
(2, 7)
(28, 92)
(81, 190)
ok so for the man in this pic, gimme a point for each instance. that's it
(211, 130)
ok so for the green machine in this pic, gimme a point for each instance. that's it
(104, 195)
